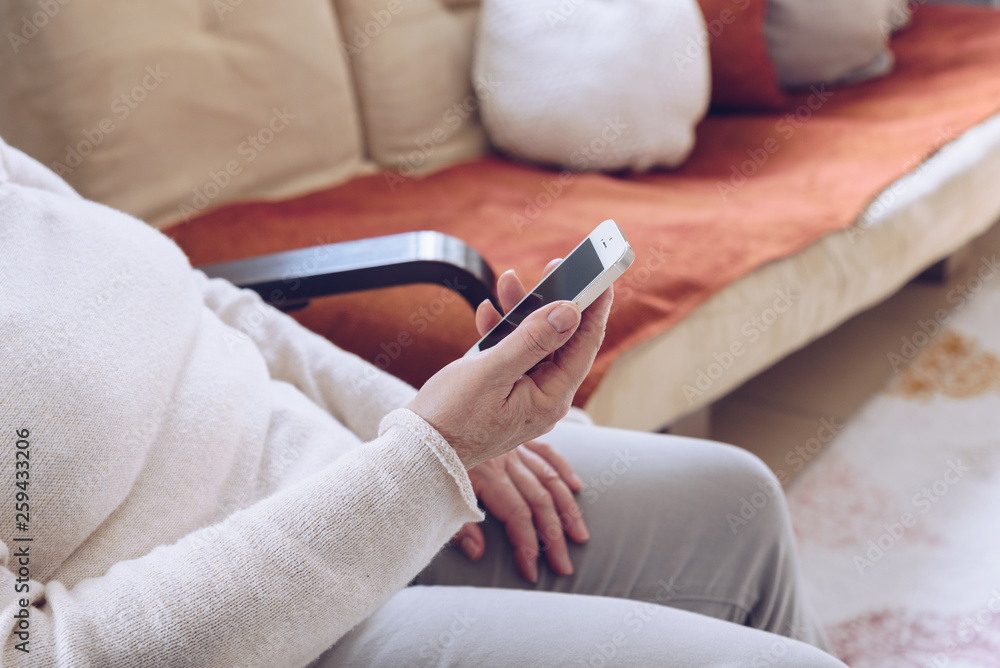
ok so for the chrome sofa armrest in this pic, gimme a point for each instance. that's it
(288, 280)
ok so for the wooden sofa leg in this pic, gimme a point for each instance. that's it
(947, 269)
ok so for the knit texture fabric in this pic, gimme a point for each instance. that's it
(210, 484)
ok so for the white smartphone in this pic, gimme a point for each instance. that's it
(581, 278)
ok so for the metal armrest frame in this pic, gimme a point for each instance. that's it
(288, 280)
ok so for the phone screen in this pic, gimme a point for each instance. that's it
(566, 281)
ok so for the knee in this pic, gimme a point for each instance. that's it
(745, 473)
(737, 496)
(751, 497)
(730, 487)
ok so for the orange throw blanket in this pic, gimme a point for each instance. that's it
(758, 187)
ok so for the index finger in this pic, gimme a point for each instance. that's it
(510, 289)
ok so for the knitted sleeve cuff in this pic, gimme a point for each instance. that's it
(414, 424)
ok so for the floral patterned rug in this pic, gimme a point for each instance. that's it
(898, 520)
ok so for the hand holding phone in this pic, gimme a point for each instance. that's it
(581, 277)
(485, 405)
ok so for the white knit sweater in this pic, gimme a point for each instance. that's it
(210, 483)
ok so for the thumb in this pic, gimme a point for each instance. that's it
(538, 336)
(470, 540)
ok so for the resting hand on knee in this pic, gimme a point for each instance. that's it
(530, 490)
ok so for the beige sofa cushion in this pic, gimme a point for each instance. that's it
(412, 63)
(166, 109)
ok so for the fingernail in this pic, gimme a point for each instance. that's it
(565, 565)
(470, 548)
(533, 572)
(584, 534)
(575, 479)
(564, 317)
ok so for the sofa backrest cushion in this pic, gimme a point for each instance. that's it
(592, 85)
(411, 61)
(832, 41)
(166, 109)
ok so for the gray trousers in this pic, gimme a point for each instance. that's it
(677, 572)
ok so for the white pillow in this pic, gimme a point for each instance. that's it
(593, 85)
(831, 41)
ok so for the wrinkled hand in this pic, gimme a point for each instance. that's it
(488, 403)
(529, 489)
